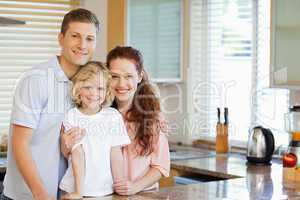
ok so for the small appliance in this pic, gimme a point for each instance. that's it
(292, 123)
(260, 146)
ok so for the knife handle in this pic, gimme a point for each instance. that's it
(226, 115)
(219, 115)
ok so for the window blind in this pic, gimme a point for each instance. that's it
(229, 67)
(220, 63)
(23, 46)
(269, 105)
(154, 27)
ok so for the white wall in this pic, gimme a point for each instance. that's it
(99, 7)
(173, 104)
(294, 97)
(172, 95)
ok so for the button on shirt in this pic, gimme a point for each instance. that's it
(40, 101)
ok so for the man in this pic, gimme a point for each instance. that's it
(35, 164)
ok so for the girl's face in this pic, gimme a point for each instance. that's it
(125, 79)
(92, 93)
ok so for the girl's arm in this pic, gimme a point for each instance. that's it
(78, 166)
(21, 137)
(117, 164)
(129, 188)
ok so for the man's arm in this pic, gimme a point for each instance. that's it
(69, 138)
(21, 137)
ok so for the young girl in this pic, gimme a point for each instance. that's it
(147, 158)
(97, 160)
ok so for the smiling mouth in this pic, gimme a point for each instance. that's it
(91, 99)
(80, 53)
(123, 91)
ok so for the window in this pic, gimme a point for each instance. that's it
(23, 46)
(269, 105)
(154, 27)
(229, 67)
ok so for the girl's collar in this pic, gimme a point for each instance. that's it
(87, 113)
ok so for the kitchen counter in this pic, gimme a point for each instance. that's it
(243, 181)
(233, 189)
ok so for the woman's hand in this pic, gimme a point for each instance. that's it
(163, 124)
(126, 187)
(45, 198)
(69, 138)
(123, 187)
(42, 196)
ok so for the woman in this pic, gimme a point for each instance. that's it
(147, 158)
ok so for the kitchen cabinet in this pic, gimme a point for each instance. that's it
(285, 43)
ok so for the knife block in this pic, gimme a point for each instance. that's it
(222, 138)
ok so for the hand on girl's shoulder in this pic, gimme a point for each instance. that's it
(163, 124)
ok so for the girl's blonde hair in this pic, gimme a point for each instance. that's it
(89, 71)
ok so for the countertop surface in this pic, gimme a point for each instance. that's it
(243, 181)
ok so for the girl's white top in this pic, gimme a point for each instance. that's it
(104, 130)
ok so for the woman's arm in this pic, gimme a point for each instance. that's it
(117, 164)
(129, 188)
(21, 137)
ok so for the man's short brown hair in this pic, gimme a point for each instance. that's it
(79, 15)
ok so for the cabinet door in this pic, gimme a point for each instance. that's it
(285, 43)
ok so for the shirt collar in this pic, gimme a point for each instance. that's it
(59, 73)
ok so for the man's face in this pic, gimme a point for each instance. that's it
(78, 43)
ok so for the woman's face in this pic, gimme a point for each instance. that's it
(125, 79)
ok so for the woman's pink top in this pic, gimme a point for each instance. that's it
(137, 166)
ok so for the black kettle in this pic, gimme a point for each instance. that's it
(260, 147)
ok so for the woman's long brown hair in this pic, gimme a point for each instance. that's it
(145, 110)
